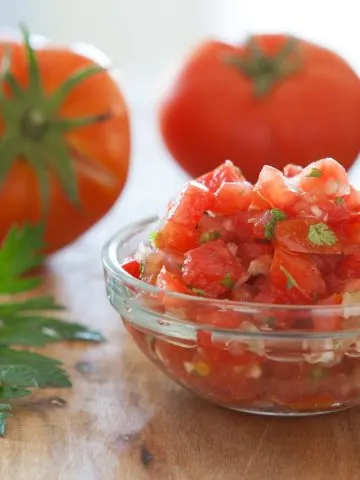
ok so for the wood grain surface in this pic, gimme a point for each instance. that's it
(124, 419)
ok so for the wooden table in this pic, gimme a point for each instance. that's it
(124, 419)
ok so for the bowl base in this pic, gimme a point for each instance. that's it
(289, 413)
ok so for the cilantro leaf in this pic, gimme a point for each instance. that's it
(228, 282)
(321, 234)
(276, 215)
(315, 172)
(291, 282)
(209, 236)
(18, 255)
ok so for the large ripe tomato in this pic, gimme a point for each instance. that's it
(272, 100)
(64, 146)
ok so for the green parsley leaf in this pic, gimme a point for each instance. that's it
(18, 255)
(5, 410)
(321, 234)
(153, 237)
(276, 216)
(339, 201)
(209, 236)
(315, 172)
(228, 281)
(179, 266)
(22, 369)
(290, 279)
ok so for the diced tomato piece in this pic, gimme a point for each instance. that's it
(275, 188)
(299, 235)
(326, 263)
(325, 177)
(291, 170)
(352, 201)
(298, 276)
(179, 230)
(232, 197)
(243, 229)
(349, 266)
(258, 203)
(319, 207)
(226, 172)
(249, 251)
(132, 267)
(171, 283)
(211, 268)
(220, 318)
(328, 322)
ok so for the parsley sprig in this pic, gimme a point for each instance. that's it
(29, 322)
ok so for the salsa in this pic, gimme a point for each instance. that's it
(292, 238)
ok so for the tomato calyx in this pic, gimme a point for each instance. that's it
(34, 130)
(264, 70)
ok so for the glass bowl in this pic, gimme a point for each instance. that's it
(257, 358)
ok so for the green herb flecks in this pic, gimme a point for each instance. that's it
(209, 236)
(198, 291)
(276, 216)
(321, 234)
(315, 172)
(228, 282)
(291, 282)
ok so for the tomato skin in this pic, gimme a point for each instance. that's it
(292, 234)
(211, 112)
(104, 145)
(207, 267)
(306, 274)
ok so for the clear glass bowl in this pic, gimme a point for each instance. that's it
(274, 362)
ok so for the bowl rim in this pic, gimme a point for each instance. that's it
(112, 264)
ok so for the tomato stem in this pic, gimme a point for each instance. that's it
(264, 70)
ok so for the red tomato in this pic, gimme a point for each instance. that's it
(67, 149)
(211, 268)
(300, 235)
(241, 102)
(298, 276)
(132, 267)
(179, 231)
